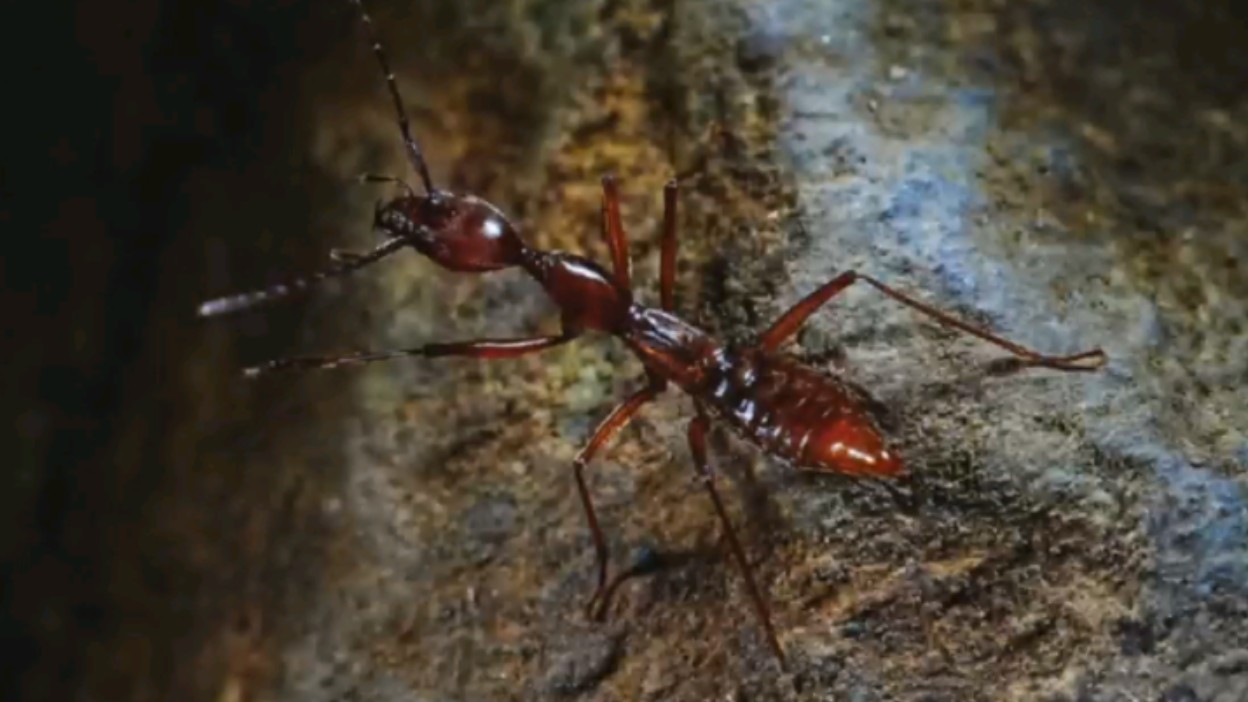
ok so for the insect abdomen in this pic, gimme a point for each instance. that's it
(814, 420)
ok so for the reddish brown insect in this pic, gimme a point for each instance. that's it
(813, 420)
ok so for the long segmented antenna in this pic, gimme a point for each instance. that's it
(413, 148)
(242, 301)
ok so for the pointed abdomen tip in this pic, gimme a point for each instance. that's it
(852, 448)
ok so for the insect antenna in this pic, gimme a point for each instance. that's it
(348, 264)
(413, 147)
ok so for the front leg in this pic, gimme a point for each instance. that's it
(481, 348)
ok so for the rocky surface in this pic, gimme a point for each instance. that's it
(1069, 176)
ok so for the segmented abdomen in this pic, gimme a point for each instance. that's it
(793, 411)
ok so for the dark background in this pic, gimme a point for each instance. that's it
(113, 110)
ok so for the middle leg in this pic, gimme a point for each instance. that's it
(613, 422)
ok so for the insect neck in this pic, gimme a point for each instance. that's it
(586, 295)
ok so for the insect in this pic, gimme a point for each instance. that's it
(811, 419)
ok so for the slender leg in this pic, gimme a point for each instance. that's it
(607, 428)
(697, 444)
(792, 320)
(667, 264)
(647, 562)
(235, 303)
(482, 348)
(617, 240)
(413, 147)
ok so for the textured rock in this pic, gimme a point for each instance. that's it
(1071, 176)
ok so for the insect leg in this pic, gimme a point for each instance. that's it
(667, 263)
(607, 428)
(1095, 358)
(647, 561)
(796, 316)
(697, 445)
(613, 230)
(481, 348)
(792, 320)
